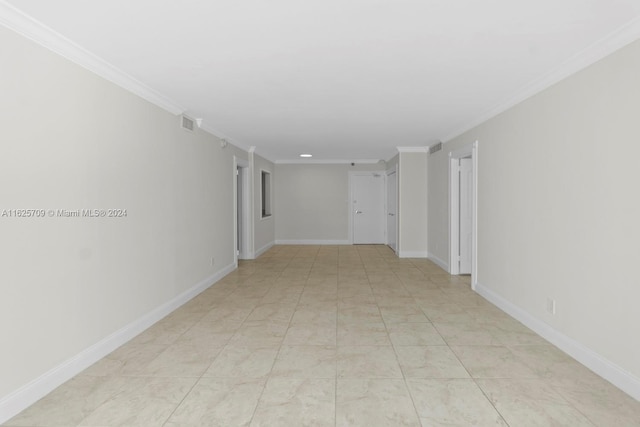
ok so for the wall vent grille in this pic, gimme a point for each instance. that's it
(187, 123)
(435, 148)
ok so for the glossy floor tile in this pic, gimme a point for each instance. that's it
(336, 336)
(447, 402)
(297, 402)
(374, 402)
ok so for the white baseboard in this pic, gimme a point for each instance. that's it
(263, 249)
(441, 263)
(312, 242)
(14, 403)
(413, 254)
(608, 370)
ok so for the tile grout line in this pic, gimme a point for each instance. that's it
(266, 380)
(404, 376)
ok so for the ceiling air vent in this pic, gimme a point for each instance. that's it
(435, 148)
(187, 123)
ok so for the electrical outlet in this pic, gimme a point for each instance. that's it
(213, 261)
(551, 306)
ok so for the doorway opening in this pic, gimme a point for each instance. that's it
(463, 184)
(392, 209)
(241, 209)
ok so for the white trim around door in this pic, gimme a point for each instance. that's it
(454, 210)
(241, 210)
(392, 208)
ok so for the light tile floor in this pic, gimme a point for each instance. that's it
(336, 336)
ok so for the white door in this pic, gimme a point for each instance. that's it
(392, 203)
(367, 208)
(466, 182)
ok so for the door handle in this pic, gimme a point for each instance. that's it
(391, 214)
(358, 212)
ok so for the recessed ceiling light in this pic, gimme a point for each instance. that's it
(306, 155)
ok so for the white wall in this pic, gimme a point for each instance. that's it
(264, 228)
(412, 201)
(558, 208)
(71, 140)
(313, 202)
(438, 206)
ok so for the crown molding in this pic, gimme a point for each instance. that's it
(616, 40)
(219, 135)
(326, 161)
(238, 145)
(259, 152)
(23, 24)
(207, 128)
(413, 149)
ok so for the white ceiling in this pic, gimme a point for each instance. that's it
(341, 79)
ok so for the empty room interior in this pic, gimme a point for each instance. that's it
(336, 213)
